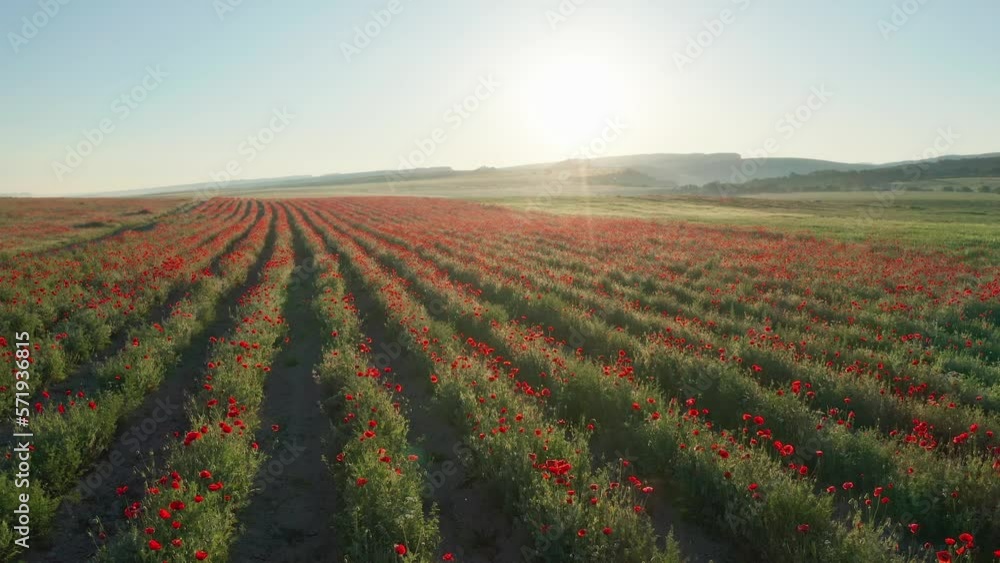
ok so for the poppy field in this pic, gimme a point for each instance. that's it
(52, 222)
(381, 379)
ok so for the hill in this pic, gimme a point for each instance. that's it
(621, 175)
(976, 174)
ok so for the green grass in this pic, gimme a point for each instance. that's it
(962, 223)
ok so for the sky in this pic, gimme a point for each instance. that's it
(116, 94)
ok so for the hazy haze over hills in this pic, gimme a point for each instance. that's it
(663, 171)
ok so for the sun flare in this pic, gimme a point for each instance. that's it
(568, 98)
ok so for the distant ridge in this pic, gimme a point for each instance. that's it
(659, 170)
(883, 177)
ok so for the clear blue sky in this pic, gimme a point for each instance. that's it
(556, 81)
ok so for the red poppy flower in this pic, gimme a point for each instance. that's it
(201, 555)
(557, 466)
(132, 511)
(400, 549)
(155, 545)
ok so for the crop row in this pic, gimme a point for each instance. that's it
(531, 353)
(941, 495)
(74, 320)
(190, 503)
(379, 479)
(543, 472)
(72, 431)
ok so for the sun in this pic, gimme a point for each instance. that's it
(569, 97)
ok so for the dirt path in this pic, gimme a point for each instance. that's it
(697, 544)
(140, 444)
(288, 519)
(473, 524)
